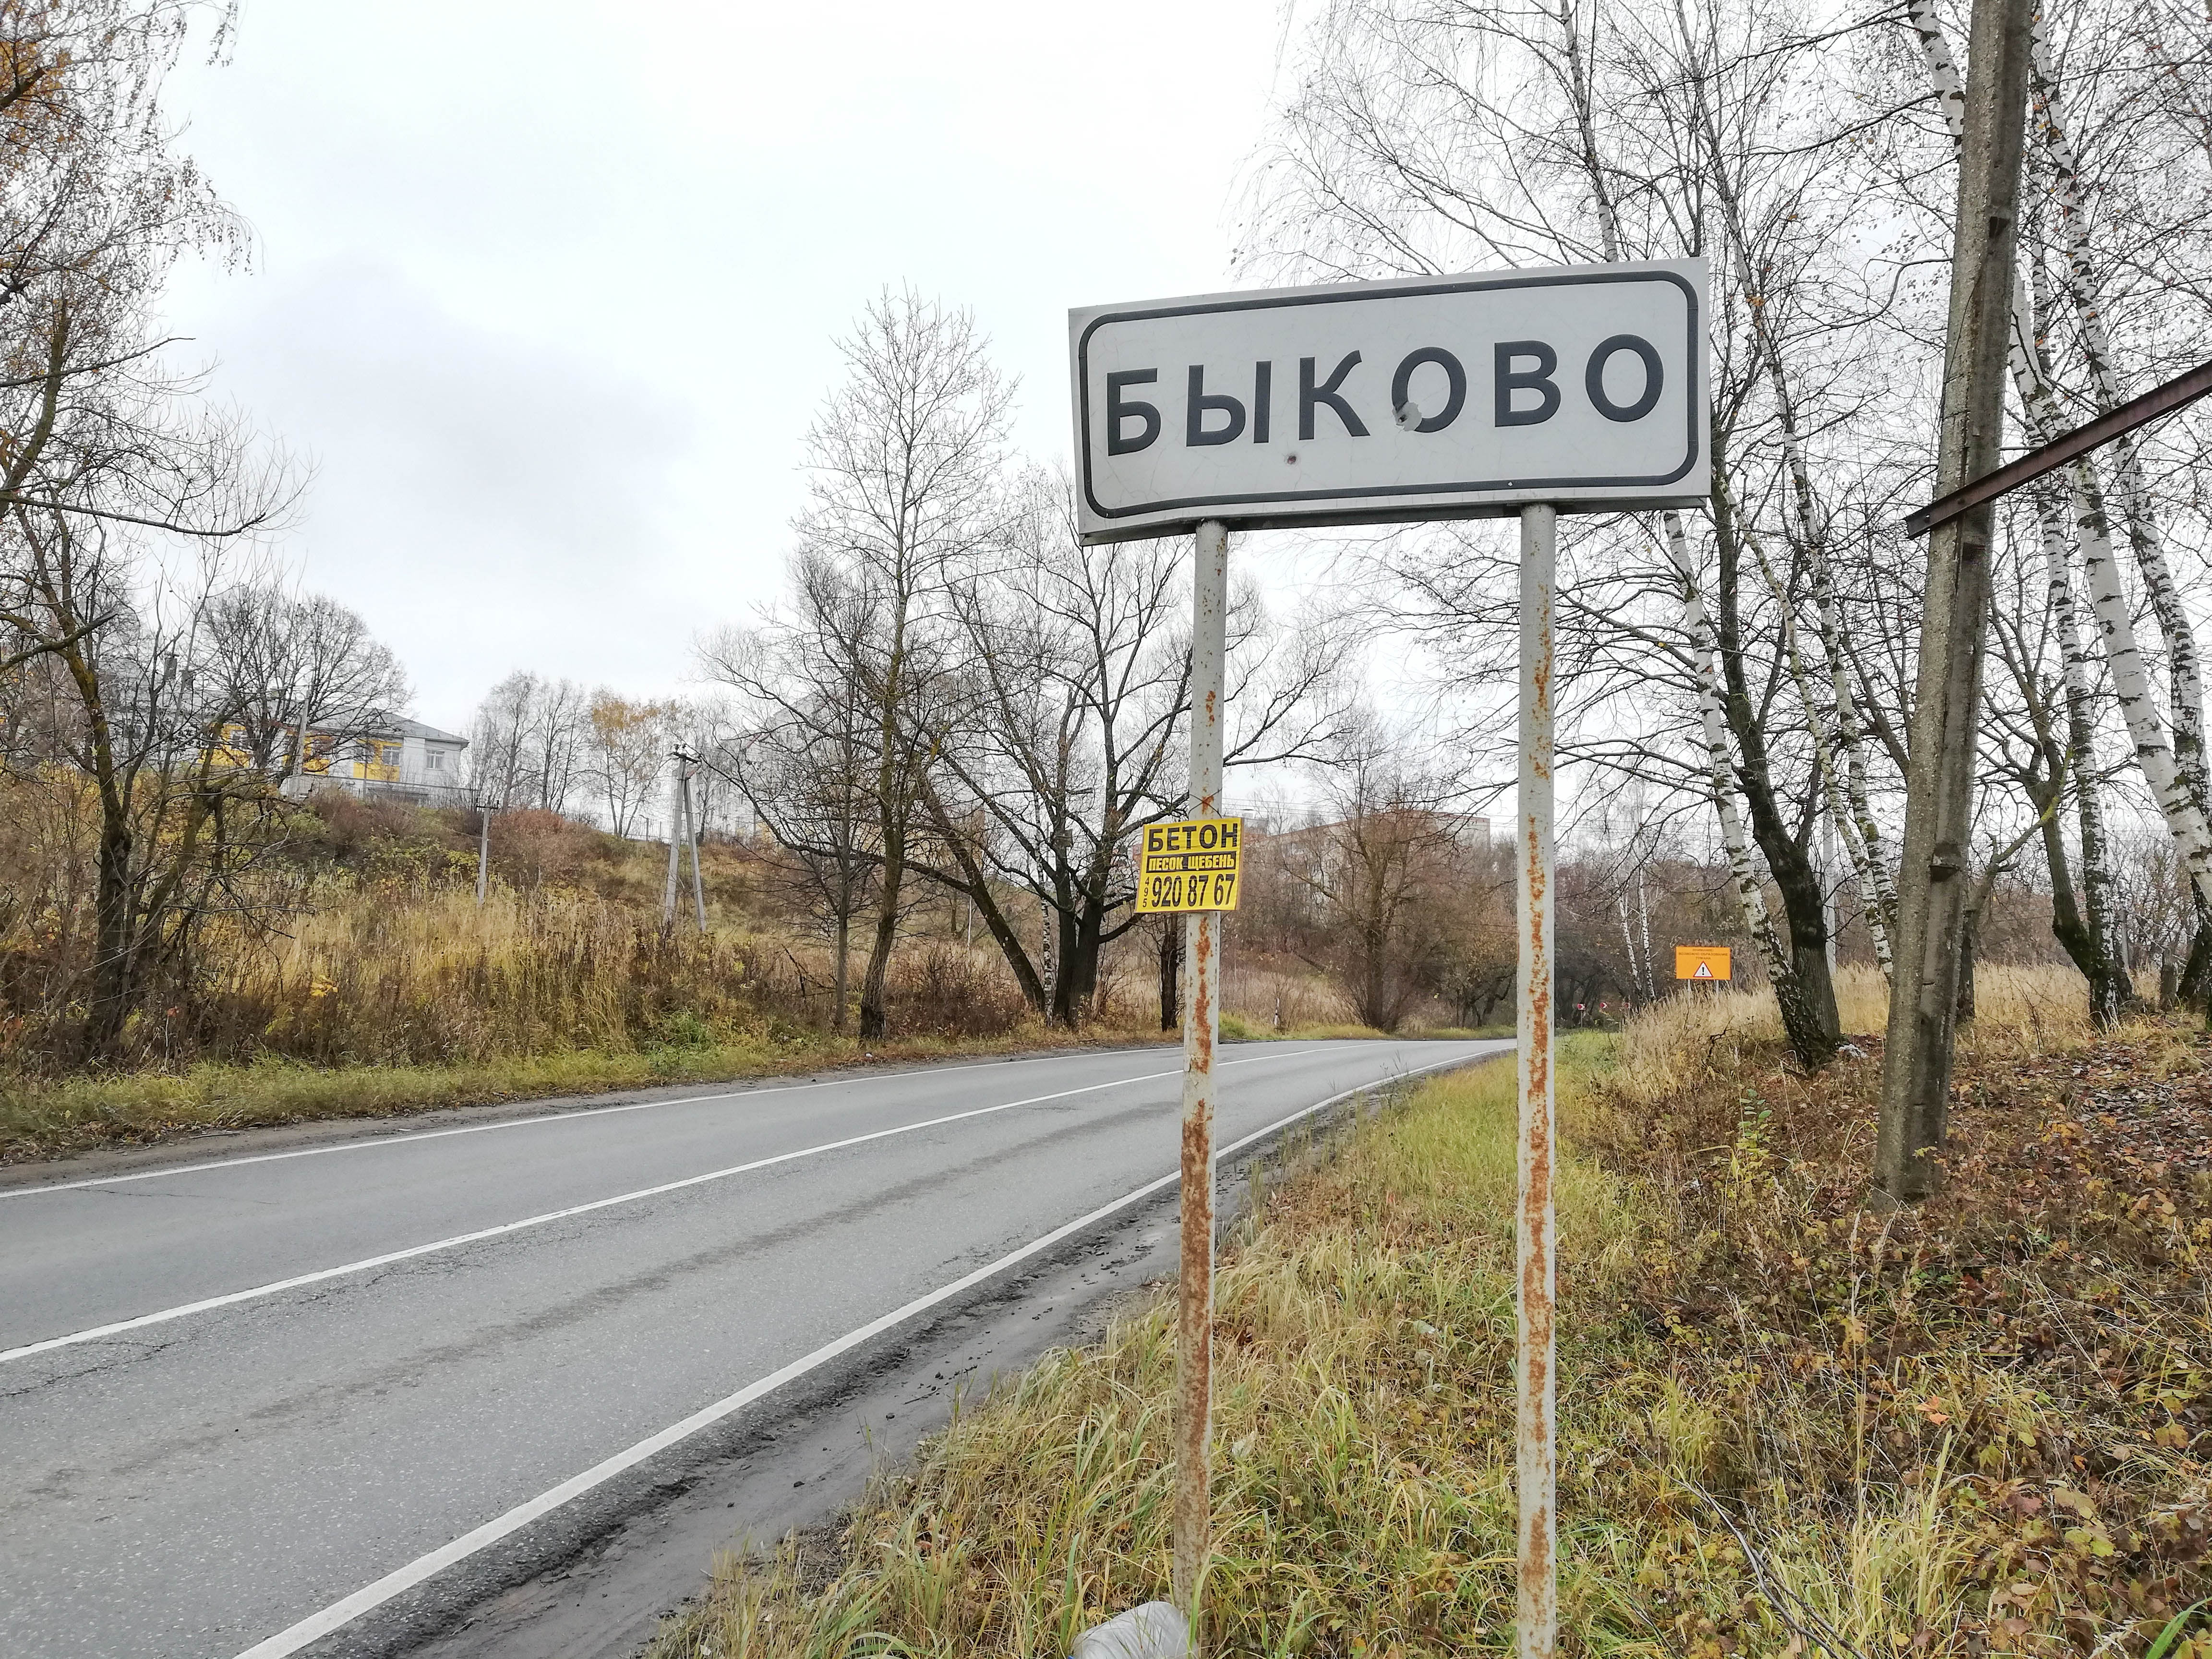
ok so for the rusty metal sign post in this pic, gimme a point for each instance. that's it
(1201, 1026)
(1536, 1464)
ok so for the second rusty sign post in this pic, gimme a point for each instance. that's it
(1535, 1395)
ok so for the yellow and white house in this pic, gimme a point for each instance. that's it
(397, 758)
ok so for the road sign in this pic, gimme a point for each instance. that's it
(1190, 864)
(1431, 397)
(1538, 391)
(1707, 962)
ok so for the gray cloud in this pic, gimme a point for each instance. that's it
(485, 500)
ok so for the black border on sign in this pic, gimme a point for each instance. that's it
(1265, 302)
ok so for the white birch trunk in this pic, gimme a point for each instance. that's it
(1825, 758)
(1942, 69)
(1706, 659)
(1704, 652)
(1869, 861)
(1862, 840)
(2183, 666)
(1628, 940)
(2131, 687)
(2097, 886)
(1643, 926)
(2115, 617)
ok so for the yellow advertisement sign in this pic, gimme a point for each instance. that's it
(1707, 962)
(1190, 864)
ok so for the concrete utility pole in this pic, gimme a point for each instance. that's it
(1534, 1349)
(675, 844)
(483, 851)
(1202, 1025)
(1933, 876)
(687, 768)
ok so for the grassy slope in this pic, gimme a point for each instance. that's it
(1787, 1423)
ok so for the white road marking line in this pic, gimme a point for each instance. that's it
(367, 1264)
(339, 1613)
(516, 1123)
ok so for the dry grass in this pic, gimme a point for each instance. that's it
(1789, 1423)
(2032, 1010)
(1264, 1001)
(420, 974)
(405, 996)
(353, 939)
(1365, 1336)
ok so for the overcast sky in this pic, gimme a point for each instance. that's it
(548, 301)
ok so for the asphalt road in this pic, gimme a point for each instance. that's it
(254, 1403)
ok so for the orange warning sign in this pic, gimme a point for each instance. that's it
(1701, 962)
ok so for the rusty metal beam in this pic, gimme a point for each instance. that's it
(1201, 1028)
(1536, 1466)
(2177, 393)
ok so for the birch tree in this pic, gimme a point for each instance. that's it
(2085, 931)
(629, 747)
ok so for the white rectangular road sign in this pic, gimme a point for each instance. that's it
(1430, 398)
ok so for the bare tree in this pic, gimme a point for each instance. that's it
(527, 743)
(1427, 135)
(119, 490)
(630, 744)
(297, 668)
(1385, 873)
(800, 746)
(905, 463)
(1065, 730)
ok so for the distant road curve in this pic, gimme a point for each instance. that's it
(245, 1401)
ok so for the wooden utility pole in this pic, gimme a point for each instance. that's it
(1933, 878)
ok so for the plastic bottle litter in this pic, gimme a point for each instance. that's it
(1154, 1631)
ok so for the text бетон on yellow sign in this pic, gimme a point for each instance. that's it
(1189, 865)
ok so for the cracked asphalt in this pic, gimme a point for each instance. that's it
(192, 1486)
